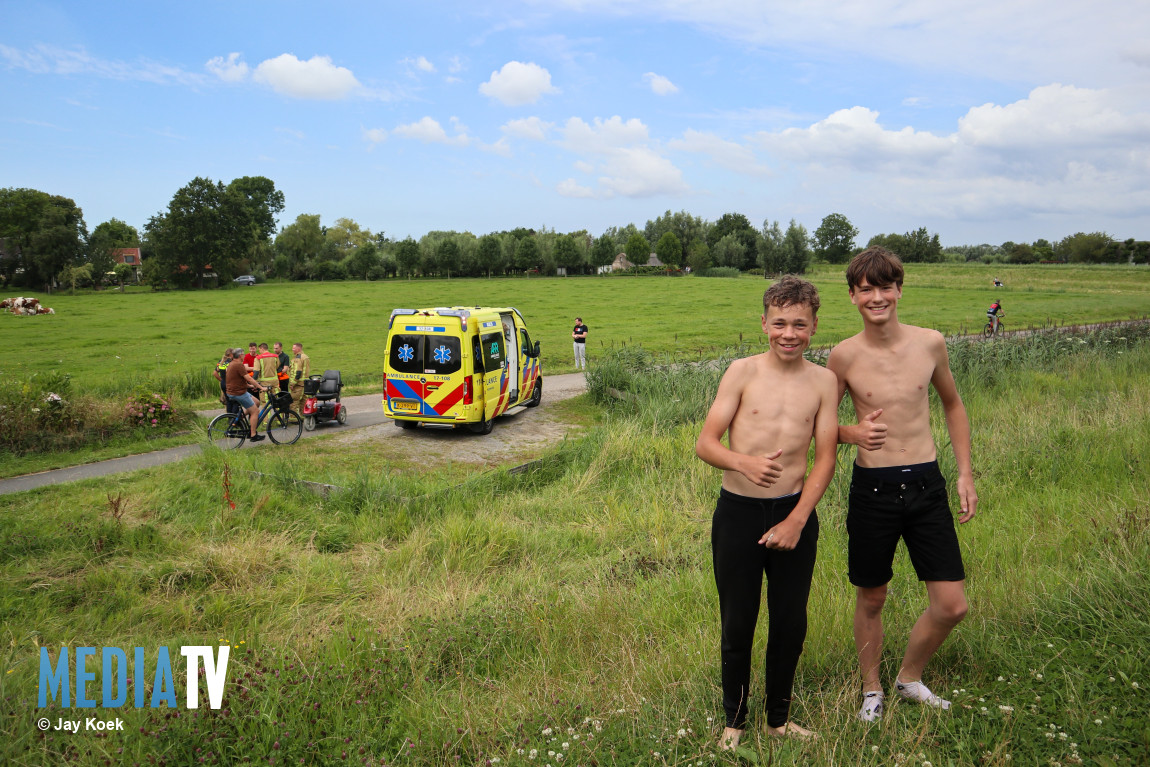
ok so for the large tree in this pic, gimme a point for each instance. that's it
(206, 224)
(729, 252)
(297, 244)
(43, 235)
(407, 256)
(107, 238)
(527, 253)
(772, 254)
(683, 225)
(447, 256)
(603, 252)
(489, 255)
(835, 239)
(738, 225)
(797, 249)
(669, 249)
(566, 253)
(638, 250)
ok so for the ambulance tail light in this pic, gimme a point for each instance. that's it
(467, 398)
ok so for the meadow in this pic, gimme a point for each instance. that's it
(110, 342)
(464, 614)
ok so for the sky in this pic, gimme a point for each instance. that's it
(982, 120)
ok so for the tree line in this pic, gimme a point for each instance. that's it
(211, 229)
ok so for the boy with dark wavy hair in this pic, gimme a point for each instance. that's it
(897, 490)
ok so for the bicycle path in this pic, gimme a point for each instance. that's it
(363, 411)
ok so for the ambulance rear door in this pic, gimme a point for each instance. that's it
(493, 347)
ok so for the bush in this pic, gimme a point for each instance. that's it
(720, 271)
(40, 414)
(149, 410)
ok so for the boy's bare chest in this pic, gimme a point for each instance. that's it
(779, 402)
(886, 379)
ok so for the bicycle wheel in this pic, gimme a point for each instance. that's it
(227, 431)
(285, 427)
(988, 331)
(1001, 328)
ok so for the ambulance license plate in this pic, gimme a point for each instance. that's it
(405, 405)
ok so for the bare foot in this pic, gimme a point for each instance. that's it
(792, 730)
(729, 740)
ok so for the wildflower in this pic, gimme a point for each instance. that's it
(1006, 708)
(566, 745)
(1062, 736)
(874, 749)
(926, 764)
(1038, 676)
(1002, 679)
(1096, 721)
(1111, 679)
(681, 733)
(546, 730)
(1134, 685)
(1049, 646)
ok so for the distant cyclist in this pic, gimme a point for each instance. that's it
(993, 313)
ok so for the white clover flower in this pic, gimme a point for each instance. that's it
(1134, 685)
(566, 744)
(1097, 721)
(926, 764)
(1038, 676)
(1006, 708)
(546, 730)
(984, 708)
(550, 753)
(1111, 679)
(1063, 736)
(681, 733)
(874, 749)
(1049, 646)
(570, 730)
(1001, 678)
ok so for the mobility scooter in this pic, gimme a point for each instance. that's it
(321, 395)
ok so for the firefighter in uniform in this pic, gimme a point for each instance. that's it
(299, 371)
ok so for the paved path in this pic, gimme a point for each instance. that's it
(363, 411)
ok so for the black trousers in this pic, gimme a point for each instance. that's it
(740, 562)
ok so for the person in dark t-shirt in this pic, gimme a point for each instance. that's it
(579, 335)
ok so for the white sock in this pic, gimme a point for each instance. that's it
(872, 706)
(920, 693)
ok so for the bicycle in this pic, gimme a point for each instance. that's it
(231, 430)
(993, 328)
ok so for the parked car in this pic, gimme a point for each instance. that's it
(245, 279)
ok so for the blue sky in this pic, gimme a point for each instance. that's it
(982, 120)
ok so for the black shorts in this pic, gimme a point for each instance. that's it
(908, 502)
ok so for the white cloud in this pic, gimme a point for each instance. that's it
(571, 188)
(726, 154)
(316, 78)
(421, 63)
(528, 128)
(659, 84)
(375, 135)
(429, 131)
(603, 135)
(627, 163)
(230, 70)
(49, 59)
(455, 64)
(584, 167)
(1025, 40)
(1061, 152)
(517, 84)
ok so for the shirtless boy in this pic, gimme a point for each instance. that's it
(897, 489)
(770, 405)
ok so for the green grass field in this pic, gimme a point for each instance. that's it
(461, 616)
(109, 342)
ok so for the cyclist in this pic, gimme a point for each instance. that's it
(237, 381)
(993, 313)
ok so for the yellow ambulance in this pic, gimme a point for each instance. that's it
(459, 366)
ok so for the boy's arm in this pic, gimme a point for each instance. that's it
(760, 469)
(958, 426)
(786, 534)
(866, 433)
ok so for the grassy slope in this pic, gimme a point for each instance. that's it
(412, 624)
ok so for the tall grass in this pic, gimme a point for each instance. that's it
(422, 620)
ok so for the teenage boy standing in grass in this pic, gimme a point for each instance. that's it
(897, 489)
(770, 405)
